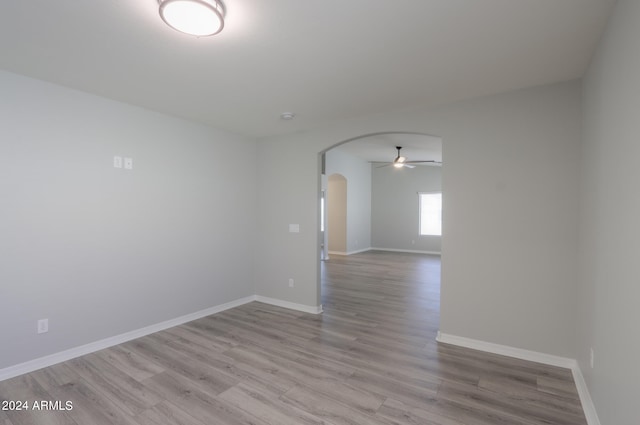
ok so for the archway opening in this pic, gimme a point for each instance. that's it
(383, 212)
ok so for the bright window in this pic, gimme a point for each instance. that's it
(430, 214)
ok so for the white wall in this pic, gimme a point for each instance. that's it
(101, 251)
(610, 230)
(395, 213)
(358, 174)
(510, 197)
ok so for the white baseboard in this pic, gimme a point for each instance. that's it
(62, 356)
(292, 306)
(534, 356)
(410, 251)
(350, 252)
(358, 251)
(506, 350)
(336, 253)
(585, 397)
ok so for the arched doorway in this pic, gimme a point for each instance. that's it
(353, 222)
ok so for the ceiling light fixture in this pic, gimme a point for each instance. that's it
(287, 116)
(399, 161)
(195, 17)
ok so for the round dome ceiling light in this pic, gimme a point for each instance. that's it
(287, 116)
(195, 17)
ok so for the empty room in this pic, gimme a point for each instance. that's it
(362, 212)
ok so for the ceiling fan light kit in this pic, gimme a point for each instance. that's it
(399, 161)
(200, 18)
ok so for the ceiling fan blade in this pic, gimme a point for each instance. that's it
(401, 161)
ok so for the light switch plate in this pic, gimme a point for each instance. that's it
(128, 163)
(294, 228)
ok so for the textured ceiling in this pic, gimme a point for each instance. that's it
(325, 60)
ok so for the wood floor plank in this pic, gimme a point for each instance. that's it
(130, 363)
(166, 413)
(270, 409)
(199, 338)
(284, 367)
(355, 397)
(27, 389)
(499, 404)
(318, 361)
(241, 372)
(328, 408)
(4, 419)
(396, 372)
(385, 387)
(211, 380)
(172, 385)
(524, 393)
(114, 384)
(404, 414)
(91, 406)
(497, 364)
(558, 387)
(55, 376)
(204, 407)
(204, 327)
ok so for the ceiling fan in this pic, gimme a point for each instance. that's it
(401, 161)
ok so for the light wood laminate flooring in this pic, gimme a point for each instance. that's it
(370, 358)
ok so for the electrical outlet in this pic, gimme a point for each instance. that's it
(290, 283)
(43, 326)
(591, 359)
(117, 162)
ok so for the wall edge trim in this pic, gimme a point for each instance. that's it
(411, 251)
(291, 306)
(358, 251)
(588, 406)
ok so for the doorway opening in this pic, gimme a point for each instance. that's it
(336, 211)
(371, 205)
